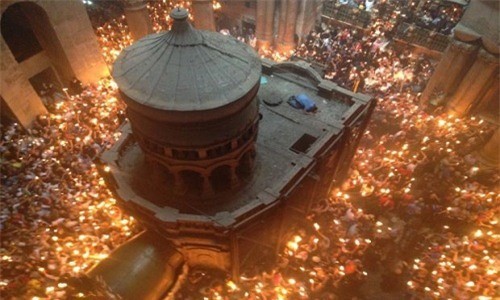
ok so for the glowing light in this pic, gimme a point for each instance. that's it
(62, 285)
(232, 286)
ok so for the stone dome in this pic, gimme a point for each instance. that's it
(185, 69)
(192, 104)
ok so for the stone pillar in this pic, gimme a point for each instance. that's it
(71, 43)
(282, 21)
(287, 42)
(269, 30)
(260, 22)
(179, 185)
(474, 83)
(251, 159)
(489, 155)
(492, 94)
(207, 187)
(306, 18)
(265, 23)
(16, 90)
(137, 16)
(235, 181)
(203, 14)
(450, 70)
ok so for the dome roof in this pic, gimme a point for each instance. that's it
(186, 69)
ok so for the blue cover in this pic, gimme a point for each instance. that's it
(294, 103)
(306, 102)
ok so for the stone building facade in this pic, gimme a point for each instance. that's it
(466, 80)
(66, 46)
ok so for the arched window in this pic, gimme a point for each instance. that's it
(220, 178)
(193, 182)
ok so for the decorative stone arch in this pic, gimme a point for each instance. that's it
(190, 182)
(69, 46)
(223, 177)
(37, 28)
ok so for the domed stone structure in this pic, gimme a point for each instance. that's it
(193, 111)
(191, 100)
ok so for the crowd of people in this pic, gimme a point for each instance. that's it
(57, 216)
(418, 212)
(359, 61)
(417, 215)
(435, 15)
(114, 35)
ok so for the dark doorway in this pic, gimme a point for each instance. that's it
(28, 31)
(47, 76)
(18, 33)
(48, 88)
(193, 182)
(7, 117)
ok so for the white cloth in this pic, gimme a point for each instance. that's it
(369, 4)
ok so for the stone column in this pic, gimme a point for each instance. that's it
(265, 23)
(137, 16)
(17, 92)
(306, 18)
(260, 22)
(287, 43)
(72, 42)
(207, 187)
(235, 181)
(179, 185)
(450, 70)
(269, 30)
(489, 155)
(492, 94)
(203, 14)
(251, 159)
(474, 82)
(282, 21)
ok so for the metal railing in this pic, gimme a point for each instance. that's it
(347, 14)
(405, 32)
(422, 37)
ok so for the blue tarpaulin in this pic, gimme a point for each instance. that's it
(306, 102)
